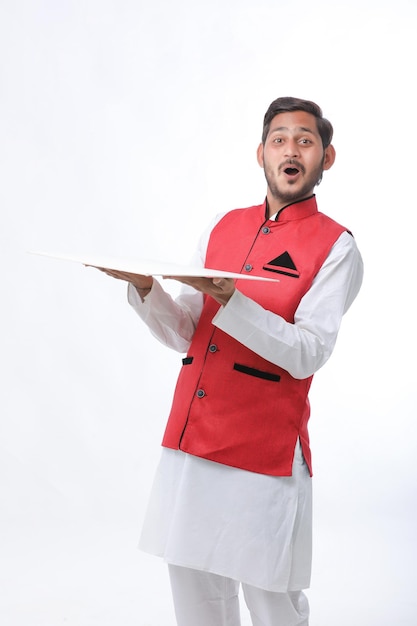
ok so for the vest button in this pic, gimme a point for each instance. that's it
(248, 267)
(200, 393)
(266, 230)
(213, 348)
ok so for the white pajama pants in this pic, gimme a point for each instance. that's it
(205, 599)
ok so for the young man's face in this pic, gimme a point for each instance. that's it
(293, 158)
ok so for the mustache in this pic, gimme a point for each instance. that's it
(292, 163)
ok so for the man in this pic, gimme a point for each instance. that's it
(231, 502)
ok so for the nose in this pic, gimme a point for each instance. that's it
(292, 148)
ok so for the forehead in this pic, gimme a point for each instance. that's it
(294, 121)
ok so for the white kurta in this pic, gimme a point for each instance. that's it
(205, 515)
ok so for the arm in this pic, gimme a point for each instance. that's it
(173, 322)
(303, 347)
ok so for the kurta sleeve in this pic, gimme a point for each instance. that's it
(302, 347)
(173, 321)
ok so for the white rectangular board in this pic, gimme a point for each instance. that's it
(149, 267)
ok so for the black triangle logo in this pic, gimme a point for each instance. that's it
(283, 260)
(282, 264)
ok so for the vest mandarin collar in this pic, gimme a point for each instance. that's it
(296, 210)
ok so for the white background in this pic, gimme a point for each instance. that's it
(125, 126)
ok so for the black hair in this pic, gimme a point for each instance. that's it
(288, 104)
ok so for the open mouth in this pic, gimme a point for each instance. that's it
(291, 171)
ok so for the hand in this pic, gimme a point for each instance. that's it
(221, 289)
(140, 281)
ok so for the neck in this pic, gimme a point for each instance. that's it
(275, 205)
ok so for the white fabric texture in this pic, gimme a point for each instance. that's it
(202, 599)
(247, 526)
(238, 524)
(208, 599)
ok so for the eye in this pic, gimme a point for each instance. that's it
(277, 140)
(305, 141)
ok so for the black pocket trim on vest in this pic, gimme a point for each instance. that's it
(187, 360)
(291, 274)
(258, 373)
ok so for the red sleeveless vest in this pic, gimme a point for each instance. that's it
(231, 405)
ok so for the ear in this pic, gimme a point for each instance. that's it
(260, 154)
(329, 157)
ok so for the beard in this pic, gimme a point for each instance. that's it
(298, 193)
